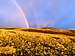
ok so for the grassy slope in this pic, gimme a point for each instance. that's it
(27, 42)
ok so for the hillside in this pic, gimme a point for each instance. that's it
(36, 42)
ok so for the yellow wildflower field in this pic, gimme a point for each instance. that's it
(36, 42)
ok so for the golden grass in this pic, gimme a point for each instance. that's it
(37, 42)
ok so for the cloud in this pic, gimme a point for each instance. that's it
(39, 12)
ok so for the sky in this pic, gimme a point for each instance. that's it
(38, 13)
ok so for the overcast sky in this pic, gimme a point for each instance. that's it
(39, 13)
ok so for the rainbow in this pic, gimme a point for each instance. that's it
(21, 11)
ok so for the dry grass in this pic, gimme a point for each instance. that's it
(36, 42)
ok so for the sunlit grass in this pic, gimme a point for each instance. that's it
(41, 42)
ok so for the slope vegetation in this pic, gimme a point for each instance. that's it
(37, 42)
